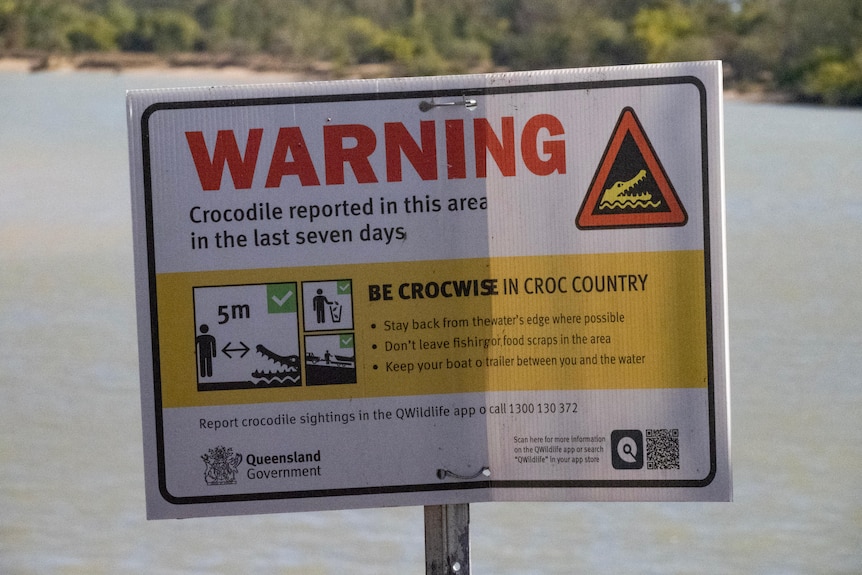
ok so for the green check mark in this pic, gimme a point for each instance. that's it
(345, 341)
(281, 298)
(344, 287)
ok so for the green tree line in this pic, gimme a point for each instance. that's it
(808, 49)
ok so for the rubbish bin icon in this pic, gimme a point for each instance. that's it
(335, 312)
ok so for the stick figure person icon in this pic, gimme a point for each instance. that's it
(319, 304)
(206, 348)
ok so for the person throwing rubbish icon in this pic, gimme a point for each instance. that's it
(319, 304)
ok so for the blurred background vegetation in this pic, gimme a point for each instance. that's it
(807, 50)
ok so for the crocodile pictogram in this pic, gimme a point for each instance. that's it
(288, 376)
(630, 188)
(285, 360)
(625, 195)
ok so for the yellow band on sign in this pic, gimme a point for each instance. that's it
(577, 322)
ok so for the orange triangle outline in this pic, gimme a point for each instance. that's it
(628, 123)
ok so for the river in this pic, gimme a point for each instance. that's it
(71, 469)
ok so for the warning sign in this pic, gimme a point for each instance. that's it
(367, 294)
(630, 188)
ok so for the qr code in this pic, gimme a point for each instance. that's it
(662, 448)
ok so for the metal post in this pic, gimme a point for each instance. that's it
(447, 539)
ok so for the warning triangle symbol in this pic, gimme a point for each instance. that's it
(630, 188)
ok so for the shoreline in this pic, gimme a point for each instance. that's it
(258, 68)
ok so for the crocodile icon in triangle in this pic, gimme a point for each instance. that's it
(630, 188)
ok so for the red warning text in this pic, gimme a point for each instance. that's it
(433, 150)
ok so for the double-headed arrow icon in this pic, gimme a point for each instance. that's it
(227, 350)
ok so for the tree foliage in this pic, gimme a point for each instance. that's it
(811, 49)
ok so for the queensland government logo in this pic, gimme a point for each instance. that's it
(222, 464)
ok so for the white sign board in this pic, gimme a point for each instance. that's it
(432, 290)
